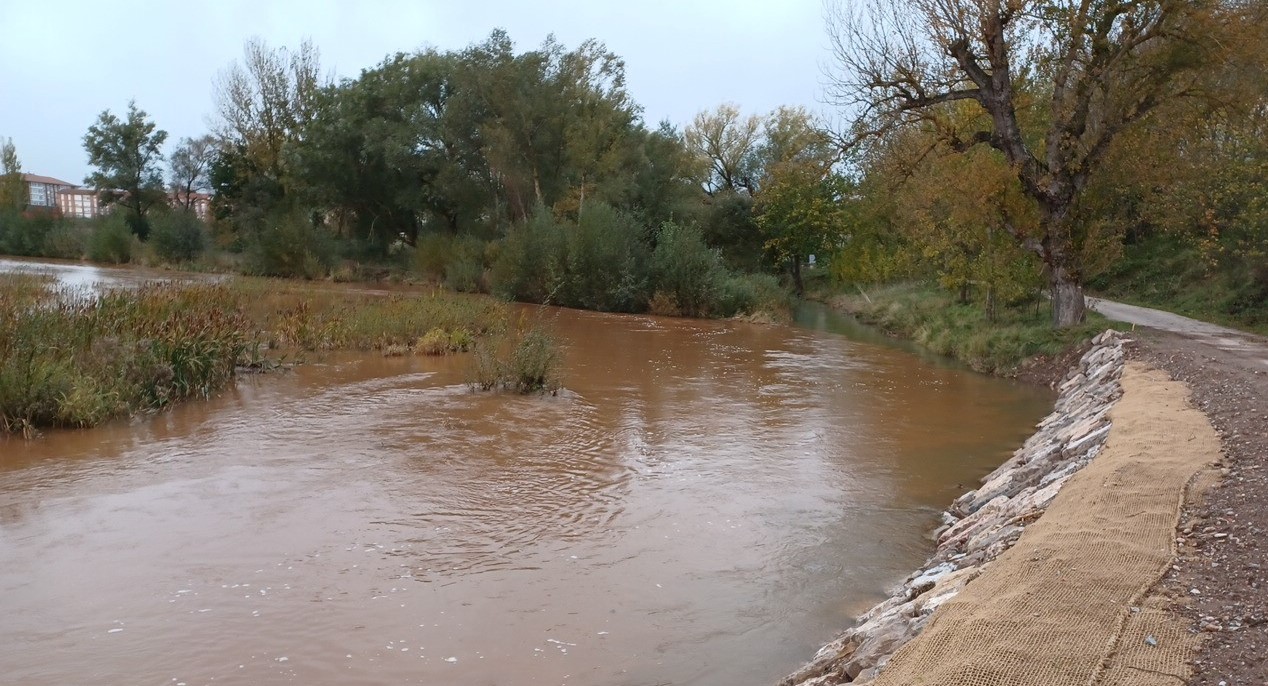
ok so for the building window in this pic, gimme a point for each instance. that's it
(37, 194)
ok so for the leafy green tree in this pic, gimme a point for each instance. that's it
(127, 154)
(801, 213)
(955, 208)
(1189, 192)
(792, 134)
(243, 196)
(728, 224)
(391, 154)
(602, 134)
(12, 188)
(264, 106)
(469, 142)
(664, 189)
(553, 123)
(1104, 66)
(736, 157)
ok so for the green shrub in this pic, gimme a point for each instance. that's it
(25, 234)
(531, 262)
(457, 261)
(290, 245)
(606, 262)
(111, 240)
(687, 271)
(527, 361)
(753, 294)
(485, 368)
(535, 363)
(432, 253)
(664, 304)
(178, 236)
(67, 240)
(465, 276)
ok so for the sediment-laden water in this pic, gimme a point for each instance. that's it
(706, 503)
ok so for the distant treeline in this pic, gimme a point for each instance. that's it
(1002, 156)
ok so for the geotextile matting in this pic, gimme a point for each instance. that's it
(1070, 603)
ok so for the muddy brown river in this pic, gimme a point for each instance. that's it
(705, 505)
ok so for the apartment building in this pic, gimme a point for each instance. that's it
(42, 191)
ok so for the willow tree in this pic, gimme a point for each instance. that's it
(1100, 65)
(264, 104)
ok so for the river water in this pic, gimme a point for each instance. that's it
(705, 504)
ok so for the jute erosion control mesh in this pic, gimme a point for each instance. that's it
(1155, 642)
(1055, 610)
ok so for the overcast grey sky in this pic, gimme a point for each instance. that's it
(62, 63)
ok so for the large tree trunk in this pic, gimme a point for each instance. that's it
(1067, 297)
(1065, 277)
(795, 267)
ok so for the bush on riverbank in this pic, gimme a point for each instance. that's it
(110, 240)
(934, 319)
(178, 237)
(607, 262)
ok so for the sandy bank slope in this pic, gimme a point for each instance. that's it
(1068, 603)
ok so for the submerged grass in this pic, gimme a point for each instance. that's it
(292, 315)
(524, 360)
(73, 360)
(934, 319)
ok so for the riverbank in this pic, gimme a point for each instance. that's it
(125, 351)
(1009, 582)
(1019, 343)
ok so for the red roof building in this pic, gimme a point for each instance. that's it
(41, 191)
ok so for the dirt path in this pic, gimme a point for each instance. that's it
(1238, 343)
(1223, 560)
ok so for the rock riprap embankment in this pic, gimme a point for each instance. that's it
(983, 523)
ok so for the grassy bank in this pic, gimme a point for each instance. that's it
(290, 315)
(1174, 274)
(68, 360)
(934, 319)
